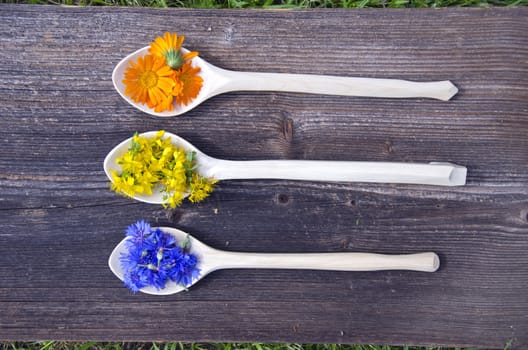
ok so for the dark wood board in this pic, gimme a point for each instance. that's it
(59, 116)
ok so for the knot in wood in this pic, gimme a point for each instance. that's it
(287, 129)
(283, 198)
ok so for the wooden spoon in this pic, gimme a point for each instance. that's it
(436, 173)
(218, 81)
(210, 259)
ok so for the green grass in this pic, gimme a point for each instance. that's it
(51, 345)
(270, 4)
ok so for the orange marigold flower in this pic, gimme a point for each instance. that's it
(148, 80)
(168, 46)
(191, 83)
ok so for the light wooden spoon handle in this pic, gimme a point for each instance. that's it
(336, 85)
(427, 262)
(443, 174)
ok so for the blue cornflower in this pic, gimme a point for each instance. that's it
(137, 232)
(154, 257)
(134, 281)
(182, 266)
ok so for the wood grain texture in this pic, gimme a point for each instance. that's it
(59, 116)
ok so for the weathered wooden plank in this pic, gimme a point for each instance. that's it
(59, 116)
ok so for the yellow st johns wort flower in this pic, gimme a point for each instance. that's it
(165, 76)
(155, 164)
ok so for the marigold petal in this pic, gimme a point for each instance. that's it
(165, 104)
(154, 96)
(165, 71)
(166, 84)
(190, 55)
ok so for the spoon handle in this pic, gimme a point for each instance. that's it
(427, 262)
(335, 85)
(443, 174)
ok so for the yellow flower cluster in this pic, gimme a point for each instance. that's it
(164, 76)
(156, 164)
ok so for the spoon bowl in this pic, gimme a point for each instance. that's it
(210, 87)
(210, 259)
(217, 80)
(435, 173)
(110, 163)
(197, 248)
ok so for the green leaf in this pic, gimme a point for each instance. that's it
(186, 244)
(191, 156)
(87, 346)
(47, 345)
